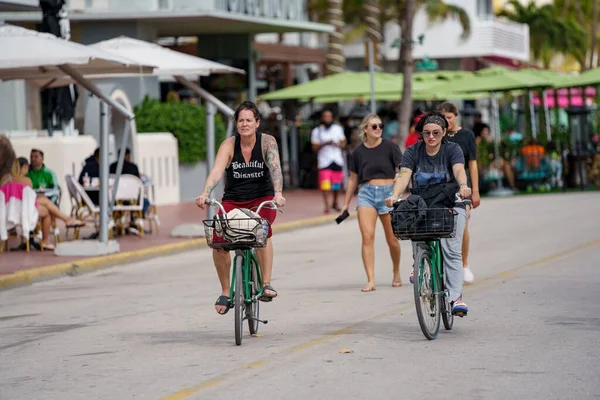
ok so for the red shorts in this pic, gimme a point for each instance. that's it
(330, 180)
(266, 212)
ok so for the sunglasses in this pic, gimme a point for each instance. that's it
(434, 133)
(375, 126)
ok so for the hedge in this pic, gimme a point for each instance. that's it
(186, 121)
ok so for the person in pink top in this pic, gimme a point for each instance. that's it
(12, 183)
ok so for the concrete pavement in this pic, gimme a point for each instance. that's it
(150, 331)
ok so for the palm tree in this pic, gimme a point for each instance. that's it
(437, 10)
(594, 33)
(336, 61)
(549, 33)
(372, 21)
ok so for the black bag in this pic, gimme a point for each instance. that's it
(409, 216)
(439, 195)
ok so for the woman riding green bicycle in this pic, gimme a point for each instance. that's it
(434, 162)
(251, 163)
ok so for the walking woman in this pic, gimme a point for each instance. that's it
(466, 140)
(373, 165)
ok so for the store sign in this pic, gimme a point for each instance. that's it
(279, 9)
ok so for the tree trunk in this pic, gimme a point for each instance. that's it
(407, 69)
(336, 61)
(594, 32)
(372, 15)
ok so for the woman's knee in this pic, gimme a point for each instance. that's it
(368, 237)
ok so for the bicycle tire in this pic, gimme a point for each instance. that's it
(238, 294)
(447, 316)
(253, 309)
(429, 330)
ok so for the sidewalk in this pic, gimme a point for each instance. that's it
(303, 208)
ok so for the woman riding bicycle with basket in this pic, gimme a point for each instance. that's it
(436, 163)
(253, 175)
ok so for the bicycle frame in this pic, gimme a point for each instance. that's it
(437, 263)
(248, 257)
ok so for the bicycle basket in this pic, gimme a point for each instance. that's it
(423, 224)
(237, 233)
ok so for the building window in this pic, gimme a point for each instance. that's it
(485, 8)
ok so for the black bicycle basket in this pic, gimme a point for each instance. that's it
(423, 224)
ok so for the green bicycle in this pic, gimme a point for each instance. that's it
(243, 235)
(425, 229)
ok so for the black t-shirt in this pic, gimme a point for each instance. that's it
(430, 170)
(466, 140)
(129, 168)
(379, 162)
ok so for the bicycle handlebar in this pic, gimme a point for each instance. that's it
(458, 200)
(271, 203)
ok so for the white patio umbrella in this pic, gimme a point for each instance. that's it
(182, 67)
(41, 57)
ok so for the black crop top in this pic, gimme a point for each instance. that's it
(376, 163)
(245, 182)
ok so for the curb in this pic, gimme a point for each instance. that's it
(79, 266)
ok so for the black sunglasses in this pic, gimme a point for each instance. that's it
(375, 126)
(434, 133)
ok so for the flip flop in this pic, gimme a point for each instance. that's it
(224, 301)
(265, 297)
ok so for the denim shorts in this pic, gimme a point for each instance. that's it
(374, 197)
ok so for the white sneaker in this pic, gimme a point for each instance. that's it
(468, 275)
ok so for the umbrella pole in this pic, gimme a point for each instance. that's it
(120, 163)
(532, 114)
(372, 75)
(210, 147)
(103, 173)
(500, 190)
(547, 116)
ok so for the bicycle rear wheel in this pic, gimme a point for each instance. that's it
(238, 295)
(427, 300)
(252, 309)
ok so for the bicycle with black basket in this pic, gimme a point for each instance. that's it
(243, 235)
(426, 228)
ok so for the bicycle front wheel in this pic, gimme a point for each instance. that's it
(238, 300)
(427, 296)
(252, 309)
(447, 316)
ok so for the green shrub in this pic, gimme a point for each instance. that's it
(186, 121)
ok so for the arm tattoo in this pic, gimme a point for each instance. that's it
(212, 186)
(401, 173)
(272, 158)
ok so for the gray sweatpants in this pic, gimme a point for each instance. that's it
(452, 254)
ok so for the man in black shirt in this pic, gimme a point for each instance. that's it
(466, 140)
(129, 168)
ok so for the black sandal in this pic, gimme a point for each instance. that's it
(224, 301)
(265, 297)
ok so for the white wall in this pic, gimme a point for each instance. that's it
(158, 157)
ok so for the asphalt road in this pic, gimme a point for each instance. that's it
(149, 330)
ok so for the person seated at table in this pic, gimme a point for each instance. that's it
(129, 168)
(13, 183)
(91, 169)
(41, 176)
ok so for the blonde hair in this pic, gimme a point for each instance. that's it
(16, 168)
(365, 123)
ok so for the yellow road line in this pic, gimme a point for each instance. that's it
(193, 390)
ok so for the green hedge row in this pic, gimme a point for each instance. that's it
(186, 121)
